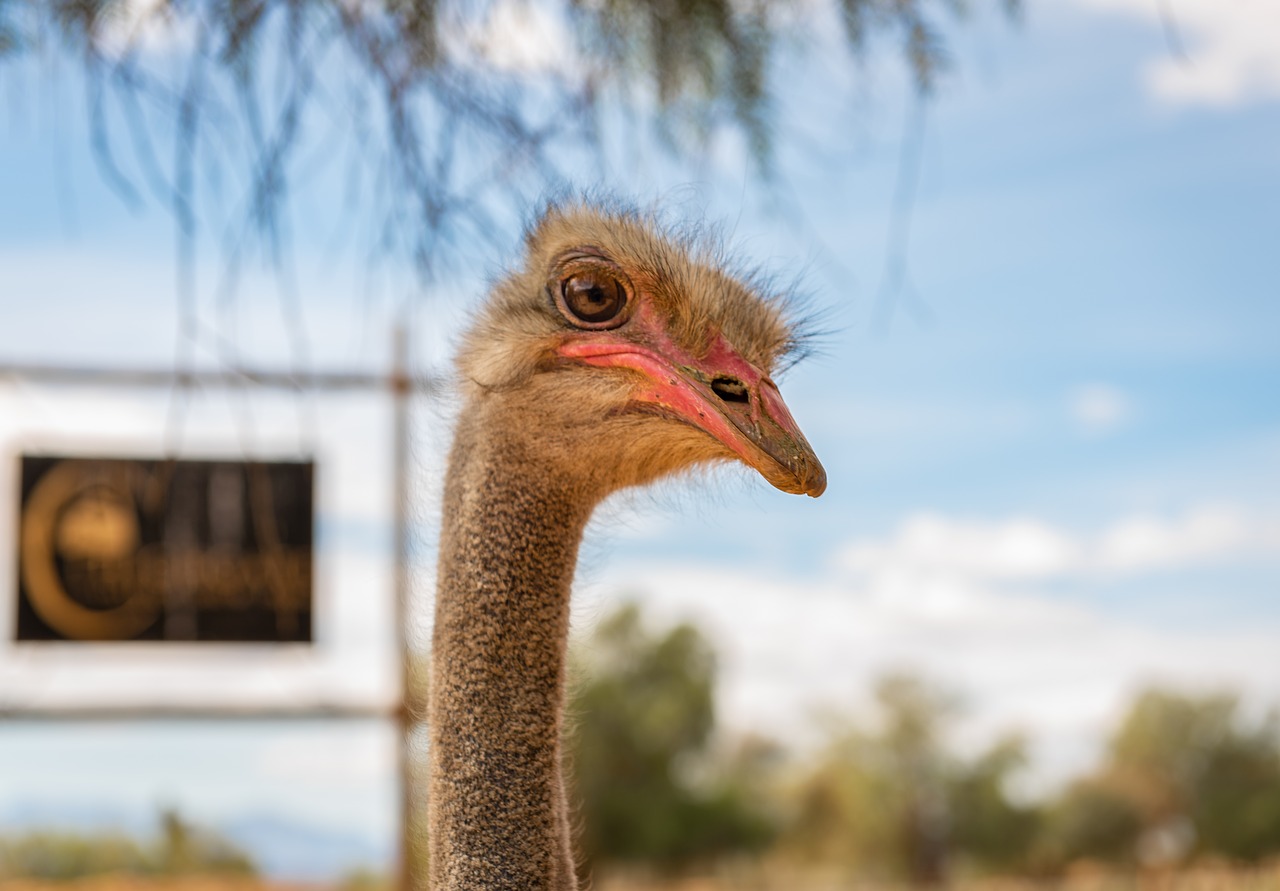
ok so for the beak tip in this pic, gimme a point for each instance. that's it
(812, 483)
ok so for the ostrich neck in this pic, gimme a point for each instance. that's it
(509, 542)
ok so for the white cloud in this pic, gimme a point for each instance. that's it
(1202, 535)
(1099, 408)
(930, 545)
(1019, 548)
(1233, 49)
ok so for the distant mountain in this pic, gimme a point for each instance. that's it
(282, 848)
(27, 815)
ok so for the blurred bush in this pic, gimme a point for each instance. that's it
(178, 849)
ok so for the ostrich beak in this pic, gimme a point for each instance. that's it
(720, 393)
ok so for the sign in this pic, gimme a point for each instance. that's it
(123, 549)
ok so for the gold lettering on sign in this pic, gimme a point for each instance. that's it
(83, 512)
(88, 577)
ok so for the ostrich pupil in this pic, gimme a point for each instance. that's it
(592, 298)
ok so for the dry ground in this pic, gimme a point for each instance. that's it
(136, 883)
(1084, 879)
(1081, 879)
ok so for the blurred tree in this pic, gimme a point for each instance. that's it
(897, 802)
(845, 810)
(1091, 820)
(1166, 745)
(872, 801)
(641, 757)
(1198, 760)
(988, 829)
(1183, 776)
(446, 112)
(892, 799)
(914, 715)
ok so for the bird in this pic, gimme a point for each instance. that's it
(619, 351)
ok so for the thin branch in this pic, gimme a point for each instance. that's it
(896, 287)
(1172, 33)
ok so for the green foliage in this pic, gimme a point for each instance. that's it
(993, 832)
(847, 811)
(447, 112)
(700, 56)
(179, 849)
(891, 798)
(1167, 747)
(365, 879)
(697, 54)
(1093, 820)
(1184, 776)
(1200, 760)
(641, 747)
(61, 856)
(9, 34)
(913, 759)
(894, 801)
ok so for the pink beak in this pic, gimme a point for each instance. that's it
(720, 393)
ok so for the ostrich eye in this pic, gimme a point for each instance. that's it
(594, 297)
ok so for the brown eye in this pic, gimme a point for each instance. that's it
(594, 297)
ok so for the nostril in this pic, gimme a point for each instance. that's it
(730, 389)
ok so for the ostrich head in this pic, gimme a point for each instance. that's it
(617, 354)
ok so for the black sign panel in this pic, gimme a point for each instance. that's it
(113, 550)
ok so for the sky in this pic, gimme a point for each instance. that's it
(1052, 452)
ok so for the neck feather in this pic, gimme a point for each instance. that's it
(509, 541)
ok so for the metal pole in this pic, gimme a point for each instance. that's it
(211, 378)
(305, 711)
(401, 390)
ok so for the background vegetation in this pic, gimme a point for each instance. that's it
(177, 849)
(1184, 779)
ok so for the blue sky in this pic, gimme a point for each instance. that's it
(1058, 484)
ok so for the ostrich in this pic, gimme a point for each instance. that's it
(616, 355)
